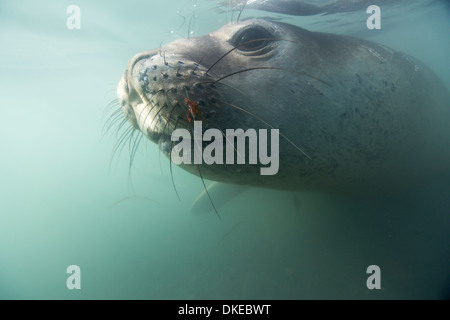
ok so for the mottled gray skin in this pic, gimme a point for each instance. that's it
(368, 116)
(307, 7)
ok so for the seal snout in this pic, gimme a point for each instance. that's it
(155, 87)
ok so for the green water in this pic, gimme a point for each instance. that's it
(66, 201)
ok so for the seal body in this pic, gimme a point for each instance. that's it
(365, 115)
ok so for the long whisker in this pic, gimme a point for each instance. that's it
(119, 120)
(267, 124)
(121, 125)
(267, 68)
(240, 12)
(207, 192)
(189, 27)
(156, 115)
(133, 152)
(115, 117)
(113, 103)
(170, 164)
(130, 143)
(148, 112)
(160, 140)
(115, 114)
(184, 19)
(166, 127)
(121, 143)
(235, 149)
(203, 180)
(134, 149)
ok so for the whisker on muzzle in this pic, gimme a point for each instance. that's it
(267, 124)
(269, 68)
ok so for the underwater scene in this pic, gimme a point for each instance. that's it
(322, 169)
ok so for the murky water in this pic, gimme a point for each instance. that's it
(66, 201)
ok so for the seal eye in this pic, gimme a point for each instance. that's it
(252, 39)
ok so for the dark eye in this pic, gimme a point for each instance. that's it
(252, 39)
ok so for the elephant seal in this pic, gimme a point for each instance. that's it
(364, 116)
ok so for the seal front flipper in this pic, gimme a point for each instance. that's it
(220, 193)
